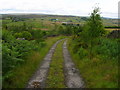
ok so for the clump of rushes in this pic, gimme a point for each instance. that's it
(55, 77)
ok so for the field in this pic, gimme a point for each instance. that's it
(47, 19)
(111, 29)
(27, 39)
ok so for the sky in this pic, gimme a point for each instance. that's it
(108, 8)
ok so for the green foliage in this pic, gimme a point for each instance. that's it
(68, 30)
(65, 30)
(87, 41)
(14, 52)
(93, 53)
(91, 41)
(61, 30)
(100, 71)
(92, 31)
(77, 30)
(17, 27)
(7, 36)
(19, 76)
(82, 53)
(38, 35)
(95, 26)
(18, 35)
(25, 34)
(108, 48)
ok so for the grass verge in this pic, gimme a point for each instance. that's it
(55, 77)
(22, 73)
(97, 73)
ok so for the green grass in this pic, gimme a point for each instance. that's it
(23, 73)
(97, 73)
(55, 77)
(36, 24)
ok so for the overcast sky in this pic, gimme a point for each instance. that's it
(109, 8)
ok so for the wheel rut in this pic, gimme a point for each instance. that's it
(72, 75)
(39, 78)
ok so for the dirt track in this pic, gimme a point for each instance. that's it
(72, 76)
(38, 79)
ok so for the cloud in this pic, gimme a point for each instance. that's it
(68, 7)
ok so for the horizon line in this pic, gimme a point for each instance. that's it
(23, 13)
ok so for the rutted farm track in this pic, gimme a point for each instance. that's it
(72, 77)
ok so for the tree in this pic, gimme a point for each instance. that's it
(38, 35)
(68, 29)
(93, 30)
(76, 30)
(60, 30)
(95, 26)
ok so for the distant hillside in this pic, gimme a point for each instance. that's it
(61, 18)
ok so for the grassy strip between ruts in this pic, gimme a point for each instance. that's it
(55, 77)
(23, 73)
(97, 73)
